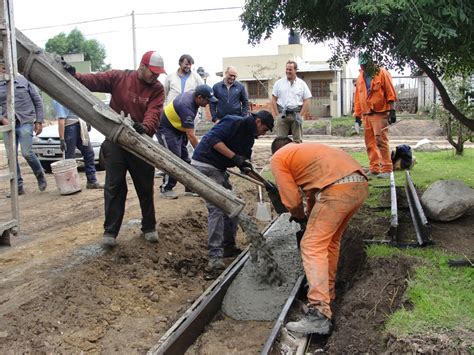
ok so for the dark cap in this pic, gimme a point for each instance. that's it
(266, 118)
(205, 91)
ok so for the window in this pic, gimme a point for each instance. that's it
(257, 89)
(320, 88)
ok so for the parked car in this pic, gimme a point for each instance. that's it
(46, 147)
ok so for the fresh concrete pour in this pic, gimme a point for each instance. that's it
(250, 299)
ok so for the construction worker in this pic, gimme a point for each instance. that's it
(229, 143)
(177, 129)
(290, 103)
(335, 187)
(182, 80)
(374, 103)
(29, 117)
(137, 93)
(74, 133)
(232, 97)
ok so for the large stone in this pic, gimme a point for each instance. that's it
(425, 145)
(446, 200)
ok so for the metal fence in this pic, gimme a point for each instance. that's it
(414, 94)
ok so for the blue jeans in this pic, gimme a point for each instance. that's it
(24, 138)
(72, 137)
(221, 228)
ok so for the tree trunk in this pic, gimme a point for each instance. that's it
(447, 103)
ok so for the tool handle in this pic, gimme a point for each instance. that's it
(260, 194)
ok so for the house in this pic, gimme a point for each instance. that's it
(259, 73)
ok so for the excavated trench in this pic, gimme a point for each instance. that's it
(368, 290)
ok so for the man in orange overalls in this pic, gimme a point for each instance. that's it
(374, 102)
(335, 187)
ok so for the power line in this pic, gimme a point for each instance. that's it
(128, 15)
(76, 23)
(187, 11)
(186, 24)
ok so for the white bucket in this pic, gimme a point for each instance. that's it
(66, 176)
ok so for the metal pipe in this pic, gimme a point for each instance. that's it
(46, 72)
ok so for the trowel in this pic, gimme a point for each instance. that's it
(263, 212)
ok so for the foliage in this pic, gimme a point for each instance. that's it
(459, 90)
(432, 35)
(75, 42)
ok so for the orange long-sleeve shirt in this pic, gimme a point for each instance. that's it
(311, 166)
(381, 93)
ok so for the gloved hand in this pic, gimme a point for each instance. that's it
(62, 145)
(68, 67)
(303, 220)
(357, 124)
(241, 162)
(299, 236)
(140, 128)
(392, 117)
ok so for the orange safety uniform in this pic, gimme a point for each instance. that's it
(373, 108)
(317, 169)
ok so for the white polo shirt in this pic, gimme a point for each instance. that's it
(291, 95)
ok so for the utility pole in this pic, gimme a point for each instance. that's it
(134, 41)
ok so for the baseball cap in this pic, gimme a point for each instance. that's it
(205, 91)
(266, 118)
(153, 61)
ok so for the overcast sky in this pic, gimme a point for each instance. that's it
(169, 34)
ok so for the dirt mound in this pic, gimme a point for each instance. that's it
(377, 292)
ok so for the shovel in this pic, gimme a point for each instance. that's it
(263, 208)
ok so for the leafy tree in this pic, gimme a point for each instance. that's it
(435, 36)
(458, 89)
(75, 42)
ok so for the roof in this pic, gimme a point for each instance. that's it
(306, 67)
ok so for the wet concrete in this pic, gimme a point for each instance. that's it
(248, 298)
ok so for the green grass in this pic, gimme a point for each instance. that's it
(431, 167)
(441, 296)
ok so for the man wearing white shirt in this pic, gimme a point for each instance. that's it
(290, 103)
(183, 80)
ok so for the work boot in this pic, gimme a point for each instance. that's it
(42, 184)
(21, 191)
(152, 236)
(314, 322)
(232, 251)
(215, 264)
(383, 176)
(94, 185)
(109, 240)
(169, 194)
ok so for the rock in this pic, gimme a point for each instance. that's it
(154, 298)
(446, 200)
(425, 145)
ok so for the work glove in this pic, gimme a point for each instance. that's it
(140, 128)
(392, 117)
(242, 163)
(62, 145)
(68, 67)
(357, 124)
(303, 220)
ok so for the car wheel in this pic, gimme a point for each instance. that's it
(101, 164)
(46, 166)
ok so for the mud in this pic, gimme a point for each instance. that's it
(248, 298)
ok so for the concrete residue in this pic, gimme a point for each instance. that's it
(248, 298)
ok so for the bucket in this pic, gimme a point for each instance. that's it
(66, 176)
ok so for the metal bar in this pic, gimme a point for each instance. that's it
(268, 347)
(190, 325)
(246, 177)
(394, 209)
(422, 227)
(188, 328)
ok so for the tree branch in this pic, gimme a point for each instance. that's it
(447, 103)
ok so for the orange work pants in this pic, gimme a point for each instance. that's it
(335, 205)
(379, 155)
